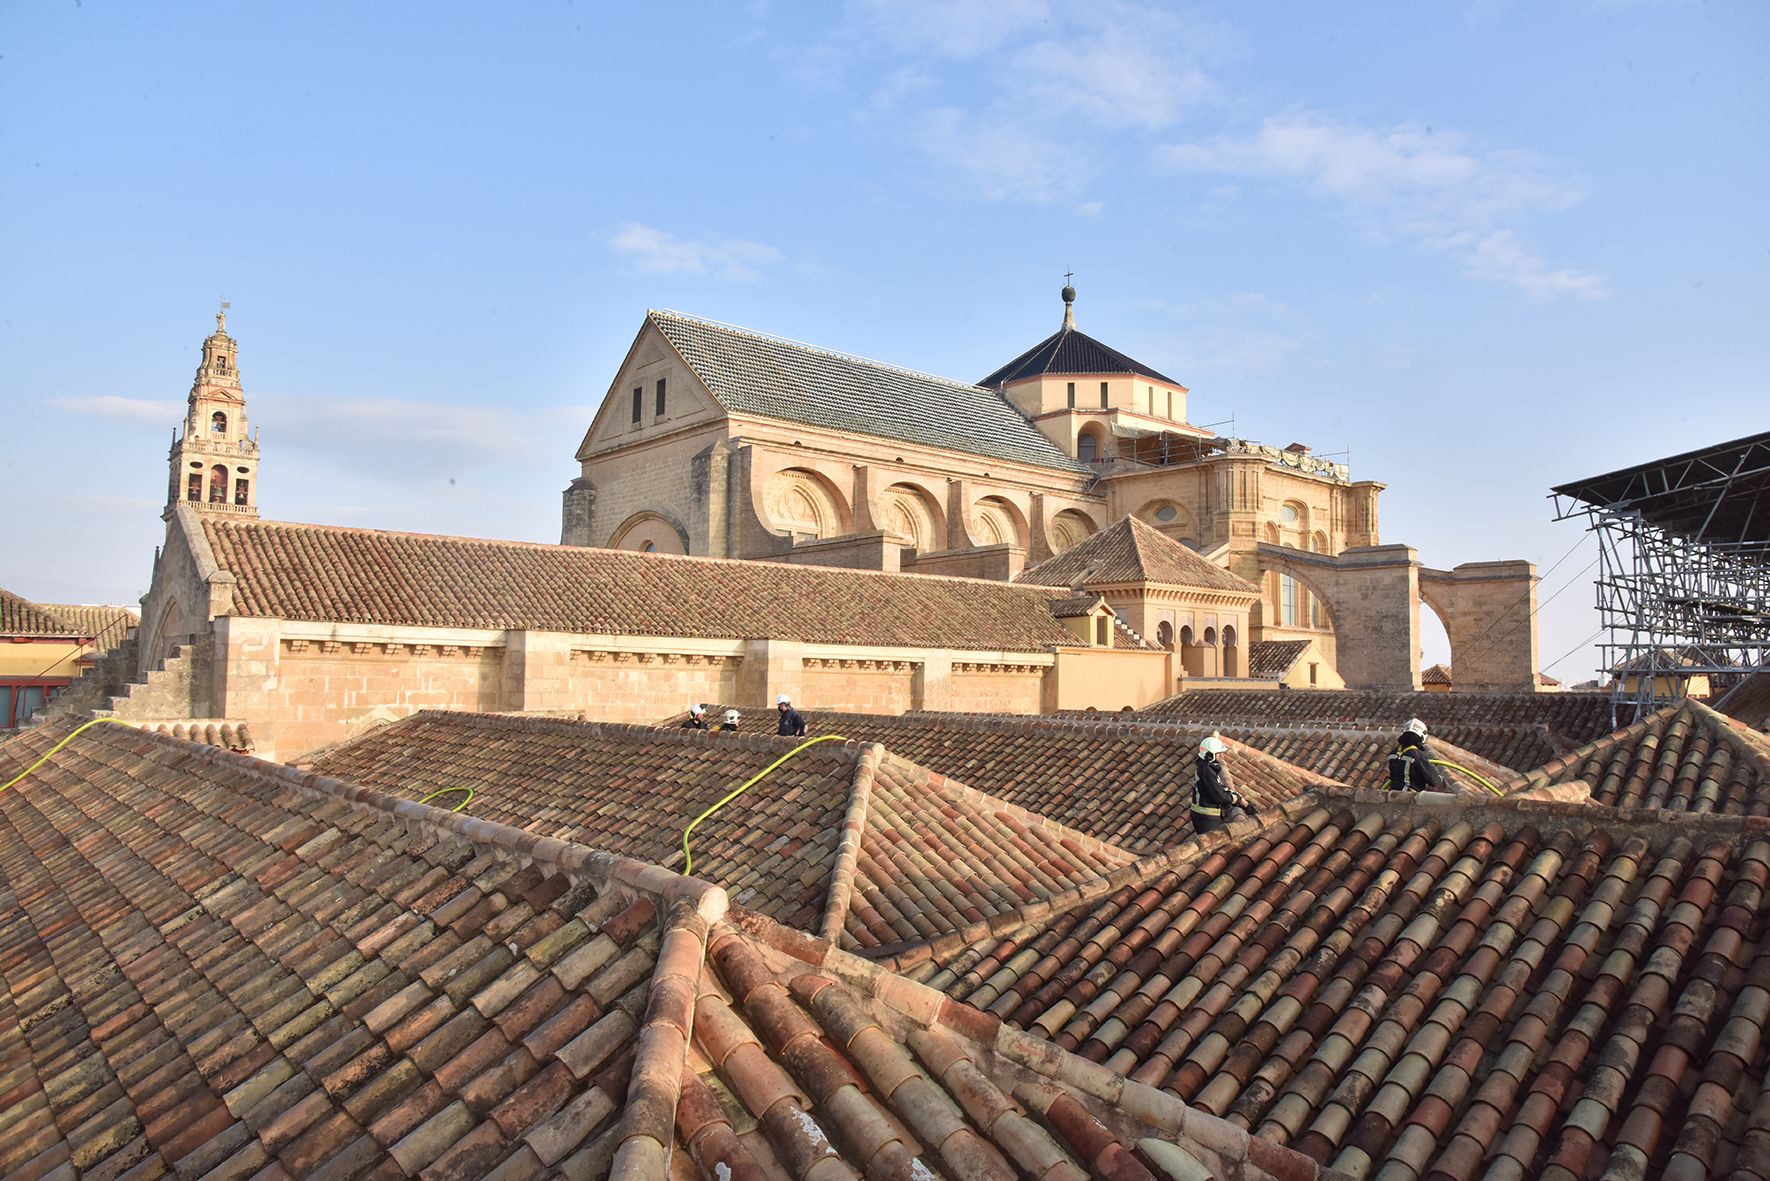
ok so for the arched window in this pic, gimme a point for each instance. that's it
(1288, 514)
(1210, 637)
(221, 364)
(1228, 635)
(218, 484)
(1287, 600)
(242, 490)
(218, 423)
(1087, 448)
(1164, 634)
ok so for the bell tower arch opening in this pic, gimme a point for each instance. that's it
(214, 458)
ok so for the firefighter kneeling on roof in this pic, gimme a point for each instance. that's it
(1410, 767)
(1215, 802)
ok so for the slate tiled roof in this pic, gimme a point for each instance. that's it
(845, 839)
(1131, 551)
(1272, 659)
(21, 617)
(765, 376)
(108, 626)
(218, 967)
(1684, 758)
(326, 573)
(1126, 783)
(1069, 351)
(1420, 988)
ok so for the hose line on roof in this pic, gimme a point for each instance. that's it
(78, 730)
(687, 857)
(1475, 775)
(441, 791)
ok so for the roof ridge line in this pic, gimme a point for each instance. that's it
(848, 845)
(666, 886)
(837, 354)
(897, 957)
(557, 547)
(942, 781)
(1603, 744)
(929, 1009)
(1736, 734)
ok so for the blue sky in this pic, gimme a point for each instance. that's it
(1485, 247)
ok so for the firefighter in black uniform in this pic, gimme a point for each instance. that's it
(1410, 767)
(791, 725)
(697, 718)
(1214, 798)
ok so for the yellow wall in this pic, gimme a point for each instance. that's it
(1109, 679)
(40, 658)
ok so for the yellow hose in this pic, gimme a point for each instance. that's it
(445, 791)
(687, 857)
(1475, 775)
(78, 730)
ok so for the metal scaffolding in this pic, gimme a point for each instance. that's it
(1683, 570)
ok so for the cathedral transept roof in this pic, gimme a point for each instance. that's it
(766, 376)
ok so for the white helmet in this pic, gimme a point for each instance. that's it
(731, 717)
(1212, 745)
(783, 699)
(697, 709)
(1415, 726)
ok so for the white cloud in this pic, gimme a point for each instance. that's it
(1432, 188)
(1245, 334)
(959, 29)
(388, 438)
(1500, 256)
(1128, 67)
(653, 251)
(166, 414)
(1004, 158)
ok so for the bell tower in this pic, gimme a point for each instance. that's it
(215, 461)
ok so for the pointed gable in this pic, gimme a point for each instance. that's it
(1067, 352)
(1133, 551)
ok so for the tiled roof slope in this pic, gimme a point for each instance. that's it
(217, 967)
(1579, 716)
(1131, 551)
(1684, 758)
(1509, 728)
(765, 376)
(21, 617)
(1069, 351)
(1422, 988)
(317, 572)
(1749, 701)
(211, 968)
(1272, 659)
(1125, 783)
(109, 626)
(845, 840)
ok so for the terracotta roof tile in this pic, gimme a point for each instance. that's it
(21, 617)
(107, 626)
(1684, 758)
(1420, 988)
(327, 573)
(1127, 783)
(1273, 658)
(847, 840)
(1132, 551)
(1513, 729)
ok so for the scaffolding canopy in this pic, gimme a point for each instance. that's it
(1684, 569)
(1716, 494)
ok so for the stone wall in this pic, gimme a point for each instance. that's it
(862, 686)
